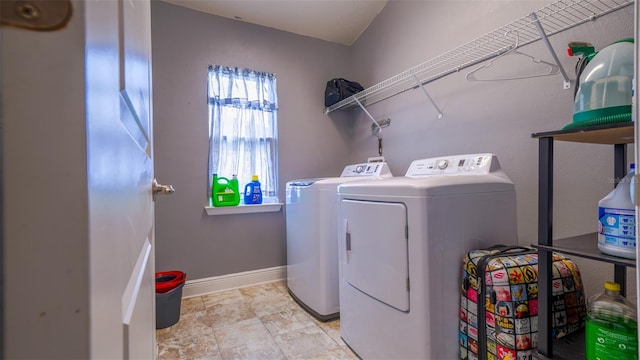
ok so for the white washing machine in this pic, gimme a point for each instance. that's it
(401, 244)
(312, 244)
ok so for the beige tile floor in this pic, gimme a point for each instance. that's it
(257, 322)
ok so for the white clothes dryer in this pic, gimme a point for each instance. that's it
(312, 243)
(401, 245)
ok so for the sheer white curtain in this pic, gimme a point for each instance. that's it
(243, 127)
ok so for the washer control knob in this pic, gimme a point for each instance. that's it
(442, 164)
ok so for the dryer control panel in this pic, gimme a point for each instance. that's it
(367, 169)
(454, 165)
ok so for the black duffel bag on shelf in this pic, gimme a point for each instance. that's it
(339, 89)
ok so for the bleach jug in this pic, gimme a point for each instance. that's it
(225, 192)
(616, 220)
(253, 192)
(612, 326)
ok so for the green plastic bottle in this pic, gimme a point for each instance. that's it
(224, 192)
(612, 326)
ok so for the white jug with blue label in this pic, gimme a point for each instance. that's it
(617, 223)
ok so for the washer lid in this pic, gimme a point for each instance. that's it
(303, 182)
(369, 170)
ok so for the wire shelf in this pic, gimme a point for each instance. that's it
(553, 18)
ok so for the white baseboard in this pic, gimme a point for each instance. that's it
(204, 286)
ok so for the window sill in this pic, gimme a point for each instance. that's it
(243, 209)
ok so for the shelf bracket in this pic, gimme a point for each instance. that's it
(428, 96)
(379, 132)
(566, 84)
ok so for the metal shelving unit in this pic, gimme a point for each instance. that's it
(585, 246)
(549, 20)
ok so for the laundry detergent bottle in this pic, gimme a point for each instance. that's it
(616, 220)
(253, 192)
(612, 326)
(224, 192)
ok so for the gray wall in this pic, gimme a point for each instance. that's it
(185, 42)
(494, 117)
(45, 214)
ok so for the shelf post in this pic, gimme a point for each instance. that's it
(428, 96)
(545, 217)
(566, 83)
(619, 171)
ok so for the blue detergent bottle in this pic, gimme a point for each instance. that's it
(253, 192)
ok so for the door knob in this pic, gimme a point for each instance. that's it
(40, 15)
(158, 189)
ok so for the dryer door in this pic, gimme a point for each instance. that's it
(375, 258)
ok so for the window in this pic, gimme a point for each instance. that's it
(243, 109)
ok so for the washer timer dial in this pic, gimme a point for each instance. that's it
(442, 164)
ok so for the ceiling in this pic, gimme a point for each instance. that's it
(339, 21)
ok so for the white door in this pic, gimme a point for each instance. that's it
(120, 174)
(87, 290)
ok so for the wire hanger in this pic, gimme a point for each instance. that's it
(551, 69)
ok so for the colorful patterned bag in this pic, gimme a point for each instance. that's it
(504, 323)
